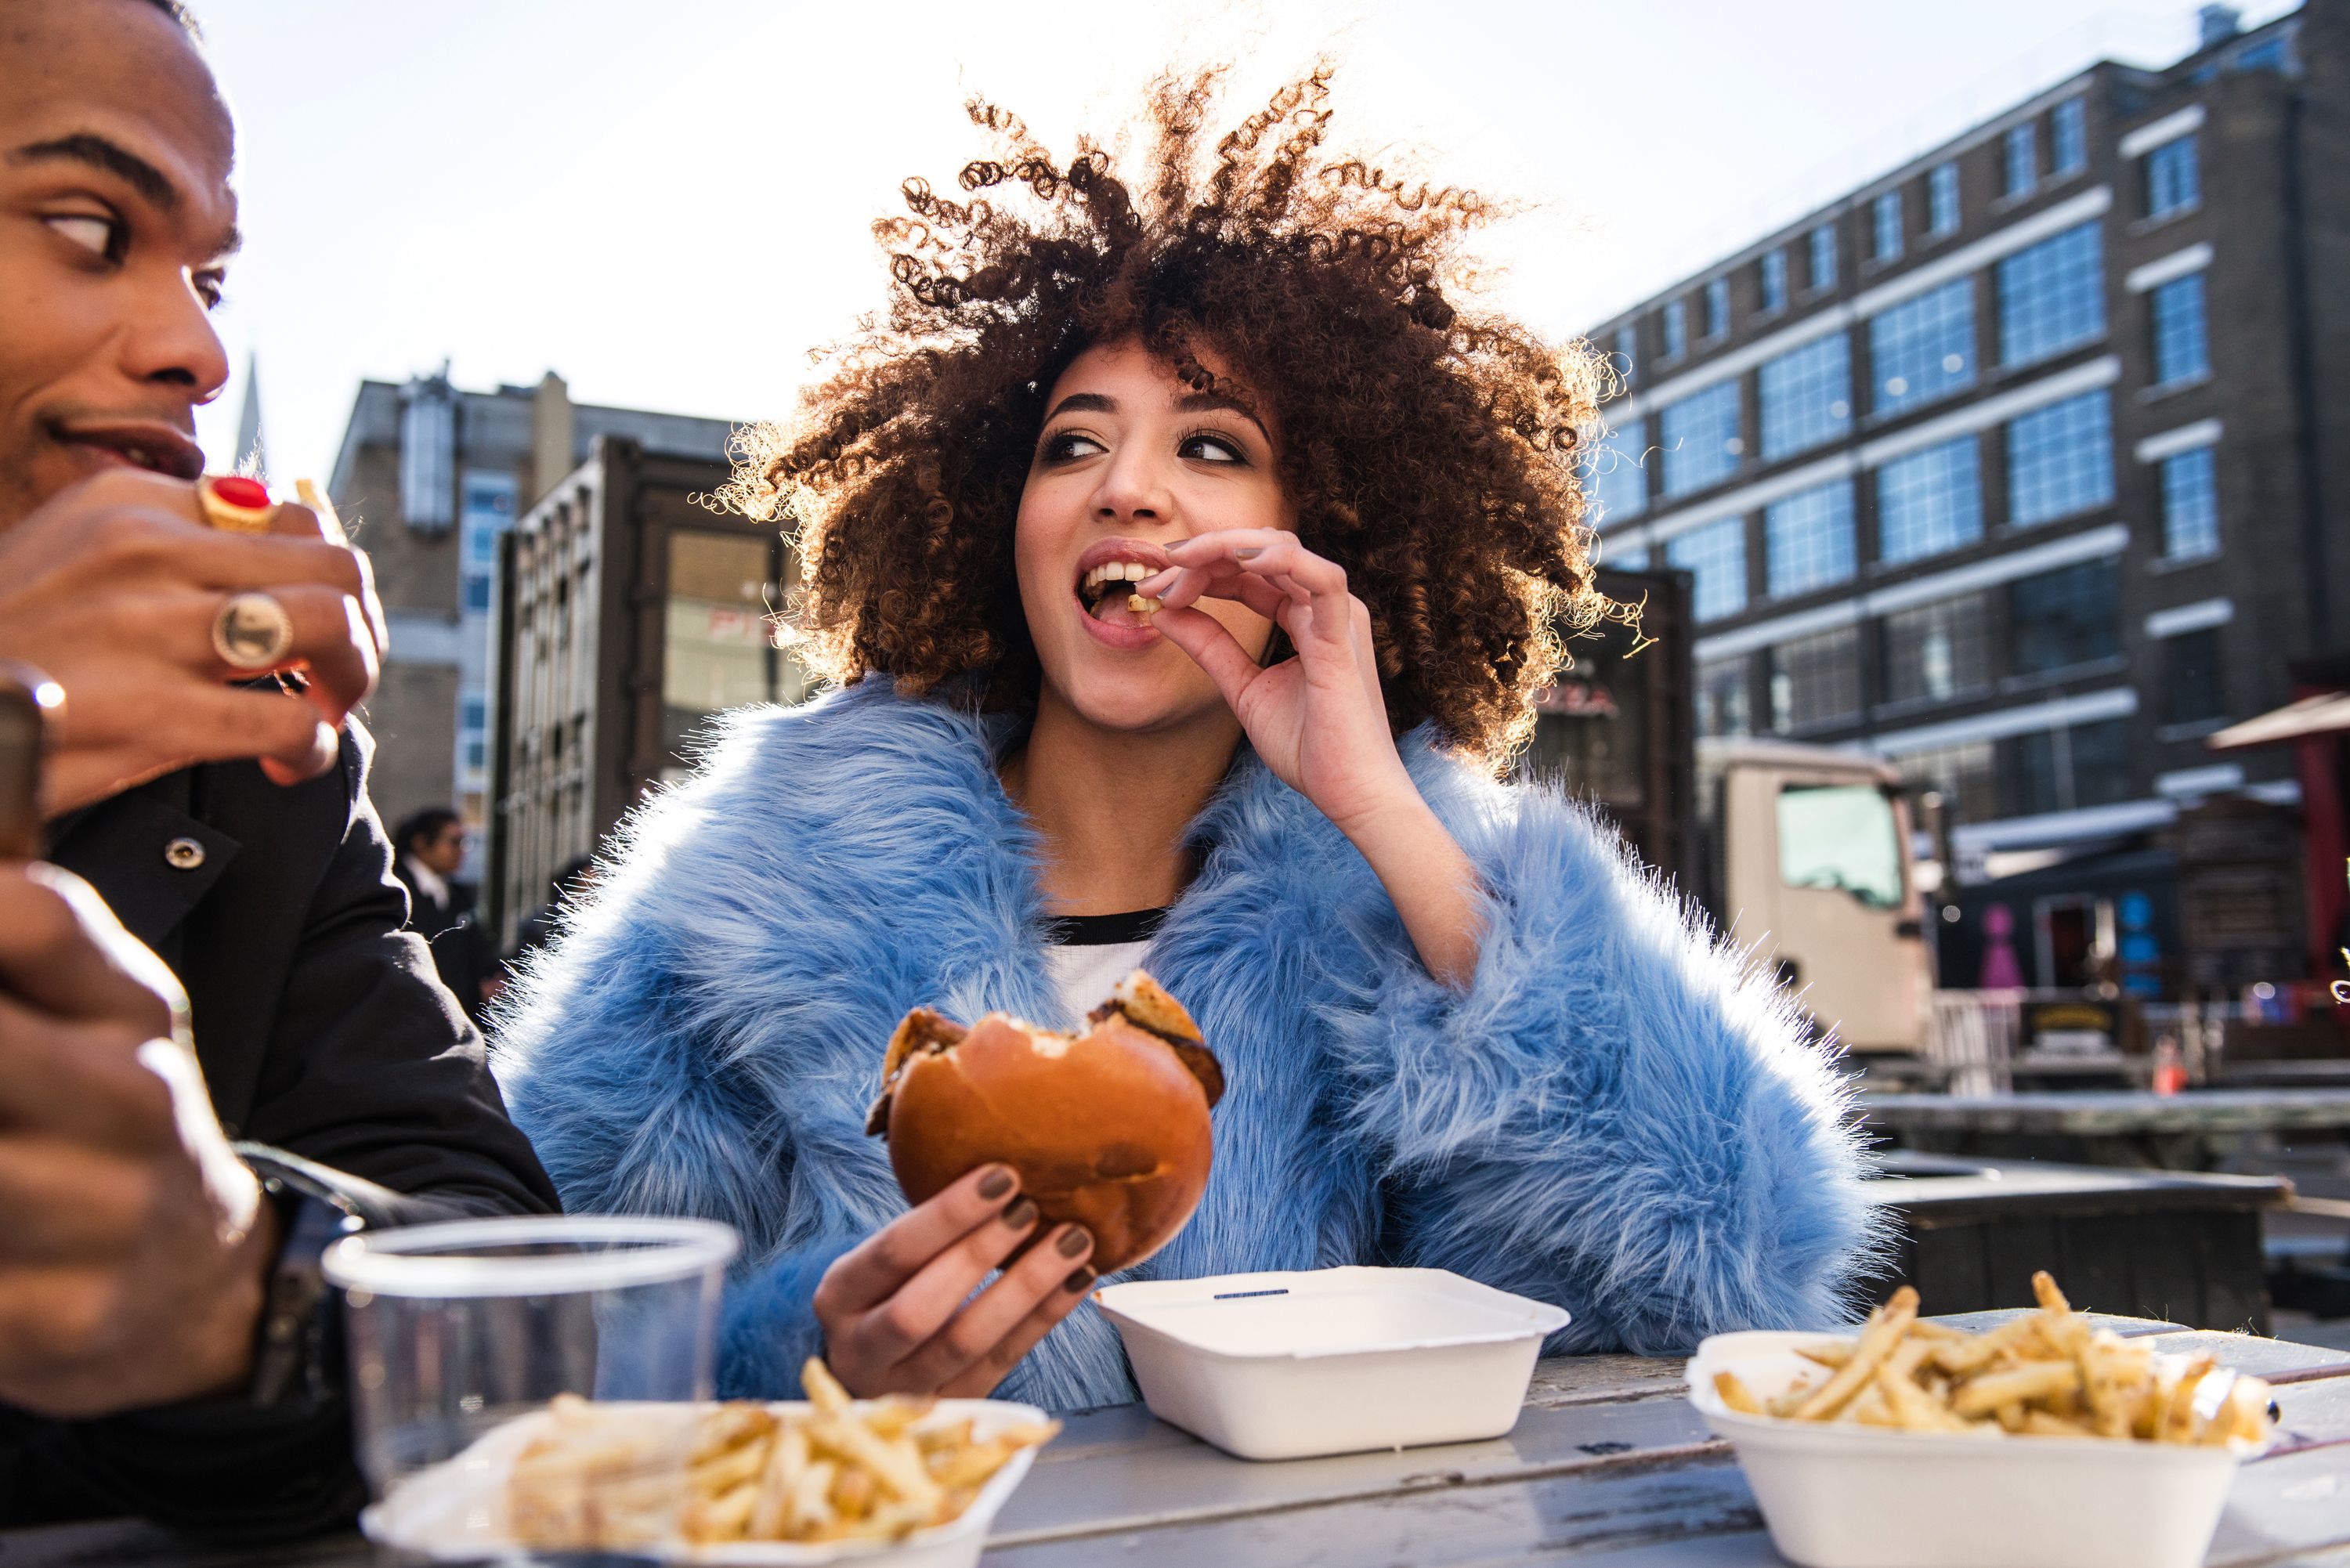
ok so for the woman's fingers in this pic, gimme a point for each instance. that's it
(1061, 1297)
(983, 1338)
(878, 1266)
(1280, 561)
(896, 1328)
(1213, 649)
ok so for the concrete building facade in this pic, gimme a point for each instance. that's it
(2017, 464)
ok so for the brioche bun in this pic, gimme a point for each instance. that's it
(1107, 1129)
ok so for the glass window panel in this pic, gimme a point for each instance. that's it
(2043, 778)
(1613, 479)
(1841, 836)
(2051, 296)
(2101, 775)
(1716, 554)
(1936, 651)
(2181, 349)
(1923, 349)
(1717, 307)
(2190, 677)
(2190, 505)
(2068, 136)
(2063, 618)
(1722, 708)
(1929, 502)
(1629, 558)
(1823, 248)
(1806, 396)
(1699, 437)
(2174, 178)
(1676, 324)
(2060, 460)
(1942, 199)
(1885, 226)
(1771, 273)
(1628, 350)
(717, 653)
(1964, 775)
(1807, 539)
(2021, 160)
(1815, 680)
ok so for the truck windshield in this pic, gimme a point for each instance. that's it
(1840, 836)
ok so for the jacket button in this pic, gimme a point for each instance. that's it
(184, 855)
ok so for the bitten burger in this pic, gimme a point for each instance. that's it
(1107, 1129)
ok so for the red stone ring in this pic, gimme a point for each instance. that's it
(236, 505)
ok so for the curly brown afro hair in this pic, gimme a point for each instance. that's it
(1427, 450)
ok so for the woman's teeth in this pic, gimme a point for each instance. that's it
(1100, 587)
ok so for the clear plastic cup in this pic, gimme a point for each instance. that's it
(456, 1330)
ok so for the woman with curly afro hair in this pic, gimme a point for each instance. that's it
(1186, 555)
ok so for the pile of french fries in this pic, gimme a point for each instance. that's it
(2047, 1373)
(602, 1478)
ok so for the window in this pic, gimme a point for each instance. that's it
(1630, 558)
(1815, 680)
(2060, 460)
(2192, 692)
(2174, 178)
(428, 455)
(1628, 350)
(1717, 307)
(2021, 160)
(1716, 555)
(2063, 770)
(2063, 619)
(1824, 256)
(1933, 652)
(1771, 273)
(1722, 700)
(1675, 324)
(717, 652)
(1843, 837)
(1929, 502)
(1613, 479)
(1884, 227)
(1942, 199)
(1807, 539)
(2068, 136)
(2051, 296)
(1806, 396)
(485, 511)
(1923, 349)
(1963, 773)
(2190, 506)
(2181, 350)
(477, 593)
(1700, 437)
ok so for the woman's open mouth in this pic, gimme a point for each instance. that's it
(1106, 573)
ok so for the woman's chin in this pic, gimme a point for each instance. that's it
(1142, 696)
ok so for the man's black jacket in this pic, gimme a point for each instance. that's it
(323, 1030)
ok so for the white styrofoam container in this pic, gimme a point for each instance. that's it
(1842, 1495)
(1331, 1361)
(455, 1511)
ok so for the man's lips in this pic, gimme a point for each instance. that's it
(157, 448)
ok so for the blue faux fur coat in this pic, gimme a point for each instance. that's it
(1616, 1117)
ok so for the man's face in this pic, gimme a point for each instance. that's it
(443, 851)
(116, 223)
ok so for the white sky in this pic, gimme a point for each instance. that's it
(668, 203)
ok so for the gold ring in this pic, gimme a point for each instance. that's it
(236, 505)
(252, 631)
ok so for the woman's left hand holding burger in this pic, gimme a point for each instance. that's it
(1318, 721)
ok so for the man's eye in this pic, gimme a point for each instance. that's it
(92, 233)
(208, 286)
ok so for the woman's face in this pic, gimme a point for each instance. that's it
(1129, 461)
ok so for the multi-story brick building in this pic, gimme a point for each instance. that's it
(2014, 466)
(431, 476)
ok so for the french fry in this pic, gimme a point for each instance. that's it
(1735, 1393)
(2031, 1381)
(1885, 1329)
(823, 1390)
(1827, 1352)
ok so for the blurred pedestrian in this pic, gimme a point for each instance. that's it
(432, 850)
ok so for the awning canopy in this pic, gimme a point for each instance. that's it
(2324, 714)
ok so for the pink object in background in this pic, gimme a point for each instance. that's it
(2000, 969)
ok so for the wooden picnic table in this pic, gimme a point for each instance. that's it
(1609, 1465)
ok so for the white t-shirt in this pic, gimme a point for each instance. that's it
(1091, 953)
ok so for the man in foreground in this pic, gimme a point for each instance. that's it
(162, 1347)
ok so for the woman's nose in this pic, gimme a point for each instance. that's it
(1132, 487)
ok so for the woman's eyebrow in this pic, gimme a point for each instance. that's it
(1083, 403)
(1203, 402)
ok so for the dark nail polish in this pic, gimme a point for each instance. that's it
(1251, 553)
(1078, 1281)
(1021, 1215)
(1073, 1240)
(995, 1183)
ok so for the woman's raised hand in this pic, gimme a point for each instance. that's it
(1316, 719)
(897, 1313)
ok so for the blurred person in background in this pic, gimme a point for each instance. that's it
(432, 849)
(217, 876)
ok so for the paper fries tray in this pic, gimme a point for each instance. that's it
(1331, 1361)
(1841, 1496)
(456, 1511)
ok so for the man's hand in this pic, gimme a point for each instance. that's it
(132, 1243)
(112, 589)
